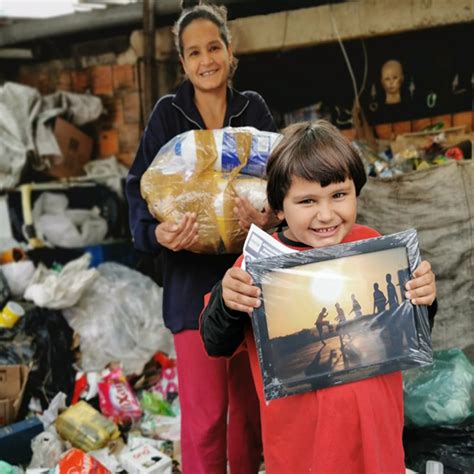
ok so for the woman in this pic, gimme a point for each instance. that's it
(207, 388)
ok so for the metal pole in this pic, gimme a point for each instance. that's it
(149, 73)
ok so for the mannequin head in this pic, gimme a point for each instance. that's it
(392, 80)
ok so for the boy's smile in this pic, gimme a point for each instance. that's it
(319, 216)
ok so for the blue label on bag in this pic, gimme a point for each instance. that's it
(229, 157)
(257, 161)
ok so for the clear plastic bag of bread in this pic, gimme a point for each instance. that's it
(203, 171)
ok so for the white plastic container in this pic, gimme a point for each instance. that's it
(146, 460)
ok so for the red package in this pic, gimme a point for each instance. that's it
(76, 461)
(116, 398)
(164, 360)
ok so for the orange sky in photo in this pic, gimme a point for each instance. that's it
(294, 296)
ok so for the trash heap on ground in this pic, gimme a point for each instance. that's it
(81, 371)
(87, 371)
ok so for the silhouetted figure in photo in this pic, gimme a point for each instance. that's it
(356, 307)
(379, 300)
(341, 317)
(318, 367)
(321, 322)
(392, 296)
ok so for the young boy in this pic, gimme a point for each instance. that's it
(314, 177)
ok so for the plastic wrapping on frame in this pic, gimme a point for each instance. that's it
(338, 314)
(202, 171)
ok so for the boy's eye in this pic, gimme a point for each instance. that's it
(339, 195)
(307, 201)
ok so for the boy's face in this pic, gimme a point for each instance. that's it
(319, 216)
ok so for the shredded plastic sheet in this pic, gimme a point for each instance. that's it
(119, 320)
(202, 171)
(337, 314)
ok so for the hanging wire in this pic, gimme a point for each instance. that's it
(357, 93)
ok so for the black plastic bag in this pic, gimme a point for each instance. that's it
(451, 445)
(43, 339)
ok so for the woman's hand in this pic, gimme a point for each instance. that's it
(238, 292)
(247, 214)
(422, 288)
(178, 236)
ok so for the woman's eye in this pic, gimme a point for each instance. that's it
(193, 53)
(214, 48)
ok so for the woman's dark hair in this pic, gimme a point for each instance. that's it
(196, 11)
(315, 151)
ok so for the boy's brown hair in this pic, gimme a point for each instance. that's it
(315, 151)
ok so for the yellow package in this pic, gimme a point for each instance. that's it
(85, 427)
(203, 171)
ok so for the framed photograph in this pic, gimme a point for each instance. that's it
(338, 314)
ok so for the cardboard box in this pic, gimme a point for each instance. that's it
(12, 385)
(15, 440)
(146, 460)
(76, 149)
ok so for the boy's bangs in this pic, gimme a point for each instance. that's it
(325, 165)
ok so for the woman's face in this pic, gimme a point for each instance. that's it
(205, 58)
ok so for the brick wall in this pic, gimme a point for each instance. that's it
(118, 131)
(389, 131)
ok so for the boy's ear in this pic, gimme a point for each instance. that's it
(280, 215)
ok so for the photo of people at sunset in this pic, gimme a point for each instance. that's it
(336, 315)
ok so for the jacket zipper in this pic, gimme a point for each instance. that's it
(199, 126)
(240, 113)
(190, 119)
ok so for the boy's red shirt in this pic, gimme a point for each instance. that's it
(350, 428)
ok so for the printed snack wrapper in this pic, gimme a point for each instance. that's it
(76, 461)
(116, 398)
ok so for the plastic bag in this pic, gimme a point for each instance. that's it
(451, 445)
(202, 171)
(4, 290)
(61, 226)
(442, 393)
(50, 289)
(119, 320)
(18, 276)
(42, 339)
(47, 449)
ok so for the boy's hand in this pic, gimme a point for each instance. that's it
(247, 214)
(238, 292)
(178, 236)
(422, 289)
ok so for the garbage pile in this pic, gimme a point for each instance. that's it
(89, 378)
(415, 152)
